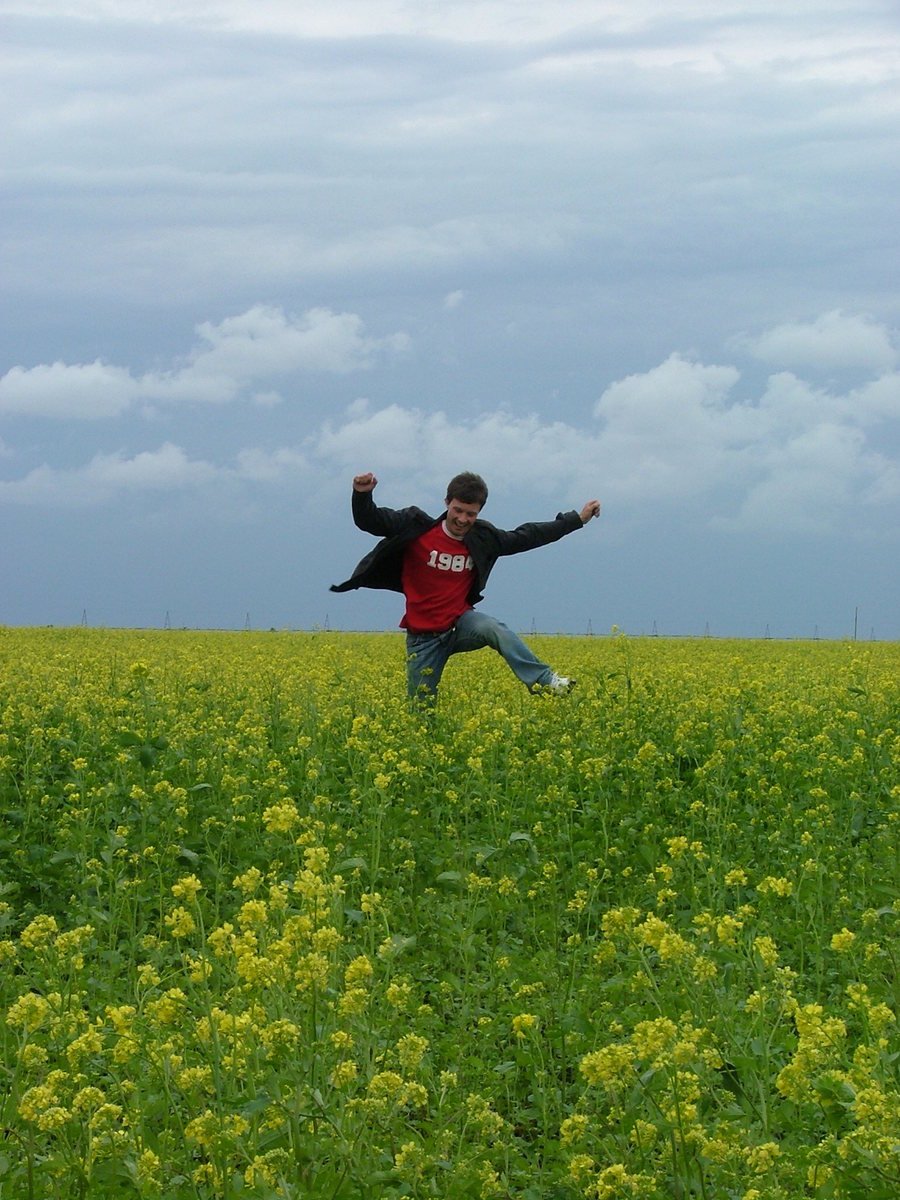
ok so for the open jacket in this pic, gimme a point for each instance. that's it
(382, 567)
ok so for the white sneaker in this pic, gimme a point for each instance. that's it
(559, 685)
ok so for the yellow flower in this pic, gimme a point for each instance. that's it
(187, 888)
(344, 1073)
(673, 948)
(736, 877)
(249, 882)
(523, 1024)
(315, 859)
(761, 1158)
(581, 1167)
(281, 817)
(615, 1181)
(777, 885)
(33, 1056)
(411, 1050)
(252, 912)
(727, 929)
(399, 993)
(39, 932)
(167, 1009)
(653, 1040)
(410, 1159)
(30, 1011)
(573, 1129)
(385, 1087)
(843, 941)
(358, 971)
(148, 1168)
(613, 1065)
(353, 1002)
(767, 950)
(84, 1046)
(181, 923)
(483, 1116)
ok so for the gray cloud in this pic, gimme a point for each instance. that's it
(505, 216)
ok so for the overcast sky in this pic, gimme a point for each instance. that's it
(643, 250)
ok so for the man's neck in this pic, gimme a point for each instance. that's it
(449, 534)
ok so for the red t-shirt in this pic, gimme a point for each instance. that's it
(437, 575)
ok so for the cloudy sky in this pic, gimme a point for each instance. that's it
(644, 250)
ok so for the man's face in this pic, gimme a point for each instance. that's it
(461, 516)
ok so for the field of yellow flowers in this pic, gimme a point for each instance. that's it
(265, 932)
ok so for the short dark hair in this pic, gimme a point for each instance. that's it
(469, 488)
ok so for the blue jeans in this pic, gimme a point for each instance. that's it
(427, 653)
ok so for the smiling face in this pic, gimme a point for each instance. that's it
(461, 516)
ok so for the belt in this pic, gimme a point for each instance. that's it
(430, 632)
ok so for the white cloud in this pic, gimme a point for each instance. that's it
(793, 456)
(878, 400)
(107, 476)
(260, 466)
(809, 484)
(453, 299)
(794, 459)
(796, 32)
(230, 358)
(85, 391)
(834, 340)
(265, 341)
(464, 19)
(674, 431)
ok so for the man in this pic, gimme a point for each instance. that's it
(441, 565)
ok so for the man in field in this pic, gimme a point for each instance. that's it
(441, 565)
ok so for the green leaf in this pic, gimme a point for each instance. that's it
(353, 864)
(450, 879)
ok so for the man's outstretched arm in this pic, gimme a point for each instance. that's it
(541, 533)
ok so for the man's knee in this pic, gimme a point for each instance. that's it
(482, 624)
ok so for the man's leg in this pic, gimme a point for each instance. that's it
(426, 657)
(476, 629)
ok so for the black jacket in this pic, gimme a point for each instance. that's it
(382, 567)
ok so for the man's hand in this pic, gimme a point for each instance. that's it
(365, 482)
(591, 509)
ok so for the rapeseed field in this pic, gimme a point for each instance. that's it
(265, 932)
